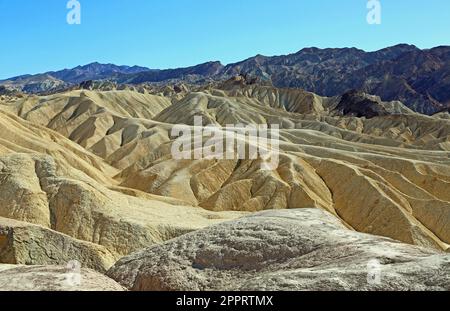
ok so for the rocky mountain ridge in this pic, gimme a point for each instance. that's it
(418, 78)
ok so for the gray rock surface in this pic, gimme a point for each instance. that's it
(304, 249)
(53, 278)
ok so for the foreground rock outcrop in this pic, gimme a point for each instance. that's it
(304, 249)
(26, 244)
(53, 278)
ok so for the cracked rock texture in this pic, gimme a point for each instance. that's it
(53, 278)
(304, 249)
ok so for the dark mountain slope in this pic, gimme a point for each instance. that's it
(189, 74)
(418, 78)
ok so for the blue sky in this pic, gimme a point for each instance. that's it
(173, 33)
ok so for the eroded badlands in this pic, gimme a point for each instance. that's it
(89, 176)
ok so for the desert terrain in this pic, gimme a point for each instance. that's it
(87, 175)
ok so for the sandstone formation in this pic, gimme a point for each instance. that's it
(305, 249)
(53, 278)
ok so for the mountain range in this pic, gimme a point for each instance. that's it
(419, 78)
(90, 175)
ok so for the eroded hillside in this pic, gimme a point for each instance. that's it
(94, 169)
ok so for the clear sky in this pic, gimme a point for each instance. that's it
(35, 36)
